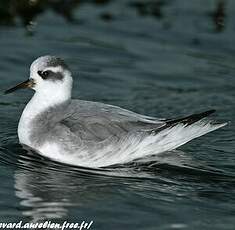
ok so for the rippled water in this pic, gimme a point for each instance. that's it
(159, 58)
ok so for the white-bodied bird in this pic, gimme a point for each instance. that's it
(94, 134)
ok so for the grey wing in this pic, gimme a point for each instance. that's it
(94, 121)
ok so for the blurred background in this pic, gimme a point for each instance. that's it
(163, 58)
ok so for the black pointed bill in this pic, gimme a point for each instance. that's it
(26, 84)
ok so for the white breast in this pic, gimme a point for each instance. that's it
(25, 123)
(24, 131)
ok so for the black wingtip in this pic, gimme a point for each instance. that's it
(209, 112)
(190, 119)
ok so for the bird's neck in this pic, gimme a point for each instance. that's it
(37, 105)
(40, 102)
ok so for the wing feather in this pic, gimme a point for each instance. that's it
(95, 121)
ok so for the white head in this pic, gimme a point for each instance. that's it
(50, 77)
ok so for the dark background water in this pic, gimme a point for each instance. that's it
(162, 58)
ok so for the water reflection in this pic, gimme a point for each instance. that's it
(47, 194)
(28, 10)
(152, 7)
(39, 200)
(219, 15)
(47, 190)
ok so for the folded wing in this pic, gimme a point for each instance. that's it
(94, 121)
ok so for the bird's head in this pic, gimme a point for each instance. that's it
(49, 76)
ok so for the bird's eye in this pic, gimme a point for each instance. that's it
(43, 74)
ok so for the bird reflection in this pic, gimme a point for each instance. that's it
(47, 190)
(40, 200)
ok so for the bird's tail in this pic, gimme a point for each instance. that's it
(177, 132)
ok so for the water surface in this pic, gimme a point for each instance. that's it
(159, 58)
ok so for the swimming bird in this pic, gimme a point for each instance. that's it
(94, 134)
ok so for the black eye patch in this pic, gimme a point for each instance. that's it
(50, 75)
